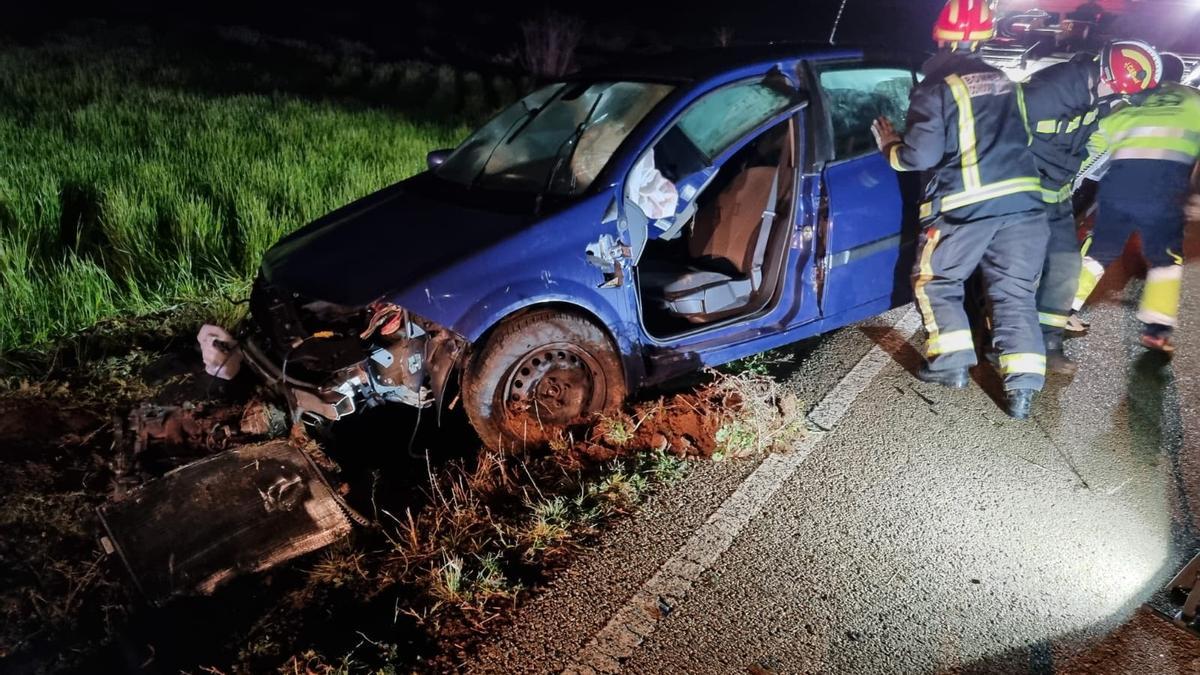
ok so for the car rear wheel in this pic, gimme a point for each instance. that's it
(537, 374)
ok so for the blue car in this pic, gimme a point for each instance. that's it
(605, 233)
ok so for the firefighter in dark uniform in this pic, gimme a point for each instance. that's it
(983, 207)
(1065, 104)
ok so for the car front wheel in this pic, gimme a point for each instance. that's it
(537, 374)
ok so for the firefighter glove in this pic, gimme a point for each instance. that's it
(885, 134)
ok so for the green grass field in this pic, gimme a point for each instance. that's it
(139, 173)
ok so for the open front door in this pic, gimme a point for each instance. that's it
(870, 227)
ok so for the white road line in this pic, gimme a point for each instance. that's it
(638, 618)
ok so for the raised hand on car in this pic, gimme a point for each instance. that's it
(885, 133)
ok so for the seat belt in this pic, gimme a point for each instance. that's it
(764, 230)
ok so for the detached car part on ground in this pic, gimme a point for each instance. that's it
(603, 234)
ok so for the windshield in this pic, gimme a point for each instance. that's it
(556, 140)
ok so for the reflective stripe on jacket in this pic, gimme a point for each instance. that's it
(1063, 112)
(966, 129)
(1162, 125)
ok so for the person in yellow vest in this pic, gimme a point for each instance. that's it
(1065, 104)
(1154, 145)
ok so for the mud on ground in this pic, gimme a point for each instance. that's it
(458, 538)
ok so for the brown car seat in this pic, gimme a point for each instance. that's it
(726, 230)
(728, 245)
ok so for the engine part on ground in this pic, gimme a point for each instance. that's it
(187, 425)
(222, 357)
(244, 510)
(263, 419)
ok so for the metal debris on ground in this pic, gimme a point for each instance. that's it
(263, 419)
(183, 425)
(243, 510)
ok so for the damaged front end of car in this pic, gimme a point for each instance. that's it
(330, 361)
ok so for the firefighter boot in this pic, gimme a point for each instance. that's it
(1056, 360)
(954, 378)
(1076, 326)
(1157, 337)
(1058, 363)
(1018, 403)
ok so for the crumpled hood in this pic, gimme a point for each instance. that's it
(383, 243)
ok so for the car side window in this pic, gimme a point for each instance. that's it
(721, 117)
(856, 96)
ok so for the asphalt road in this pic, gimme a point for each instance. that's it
(924, 531)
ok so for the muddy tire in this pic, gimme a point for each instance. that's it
(537, 374)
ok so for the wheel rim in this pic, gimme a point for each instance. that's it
(551, 386)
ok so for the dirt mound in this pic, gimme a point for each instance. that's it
(731, 416)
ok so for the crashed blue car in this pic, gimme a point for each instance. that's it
(605, 233)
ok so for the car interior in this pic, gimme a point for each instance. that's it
(721, 255)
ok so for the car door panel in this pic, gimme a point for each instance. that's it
(869, 224)
(869, 236)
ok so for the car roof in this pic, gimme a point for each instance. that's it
(689, 65)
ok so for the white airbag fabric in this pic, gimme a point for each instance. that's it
(656, 196)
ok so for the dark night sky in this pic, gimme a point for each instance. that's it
(497, 23)
(456, 27)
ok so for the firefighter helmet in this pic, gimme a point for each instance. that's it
(1130, 66)
(965, 23)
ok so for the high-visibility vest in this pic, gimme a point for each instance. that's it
(1164, 126)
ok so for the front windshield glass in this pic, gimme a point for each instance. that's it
(556, 140)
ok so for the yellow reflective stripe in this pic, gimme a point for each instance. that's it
(926, 210)
(1160, 297)
(1089, 278)
(1055, 320)
(924, 277)
(1056, 196)
(954, 341)
(1024, 114)
(967, 143)
(1023, 363)
(894, 157)
(1175, 256)
(991, 191)
(1155, 153)
(1087, 245)
(1157, 132)
(1058, 126)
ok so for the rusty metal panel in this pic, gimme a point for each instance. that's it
(240, 511)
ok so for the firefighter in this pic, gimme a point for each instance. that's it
(982, 209)
(1154, 144)
(1065, 104)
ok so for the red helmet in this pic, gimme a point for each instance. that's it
(1130, 66)
(965, 21)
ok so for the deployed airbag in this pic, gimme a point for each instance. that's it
(650, 191)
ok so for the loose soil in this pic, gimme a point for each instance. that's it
(416, 591)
